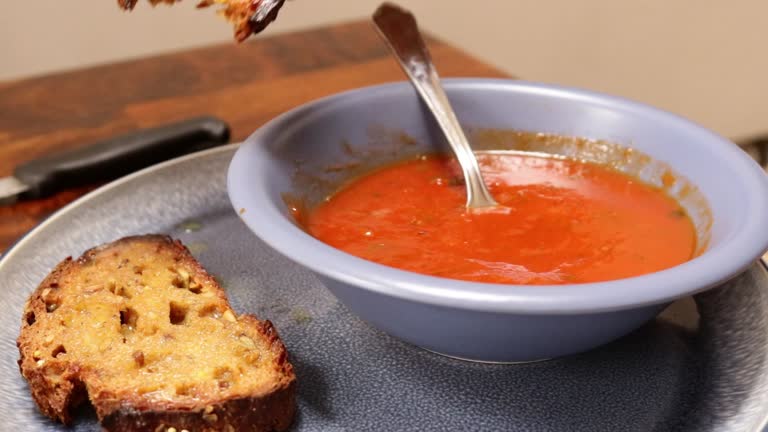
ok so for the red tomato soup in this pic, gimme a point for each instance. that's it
(569, 222)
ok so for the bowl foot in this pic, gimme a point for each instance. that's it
(486, 361)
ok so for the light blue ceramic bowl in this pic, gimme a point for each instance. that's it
(303, 154)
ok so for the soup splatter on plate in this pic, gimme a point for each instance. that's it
(567, 222)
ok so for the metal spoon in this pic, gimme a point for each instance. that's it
(399, 29)
(266, 12)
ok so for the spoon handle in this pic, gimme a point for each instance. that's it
(399, 29)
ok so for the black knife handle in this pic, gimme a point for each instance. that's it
(115, 157)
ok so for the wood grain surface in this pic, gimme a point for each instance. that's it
(245, 85)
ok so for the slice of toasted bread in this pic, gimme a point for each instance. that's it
(140, 329)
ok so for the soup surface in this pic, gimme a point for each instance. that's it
(567, 221)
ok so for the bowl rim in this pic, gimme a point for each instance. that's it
(747, 244)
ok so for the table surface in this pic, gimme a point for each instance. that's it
(246, 85)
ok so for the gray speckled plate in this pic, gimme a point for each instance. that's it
(702, 366)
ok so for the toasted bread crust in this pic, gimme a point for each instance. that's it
(273, 412)
(59, 385)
